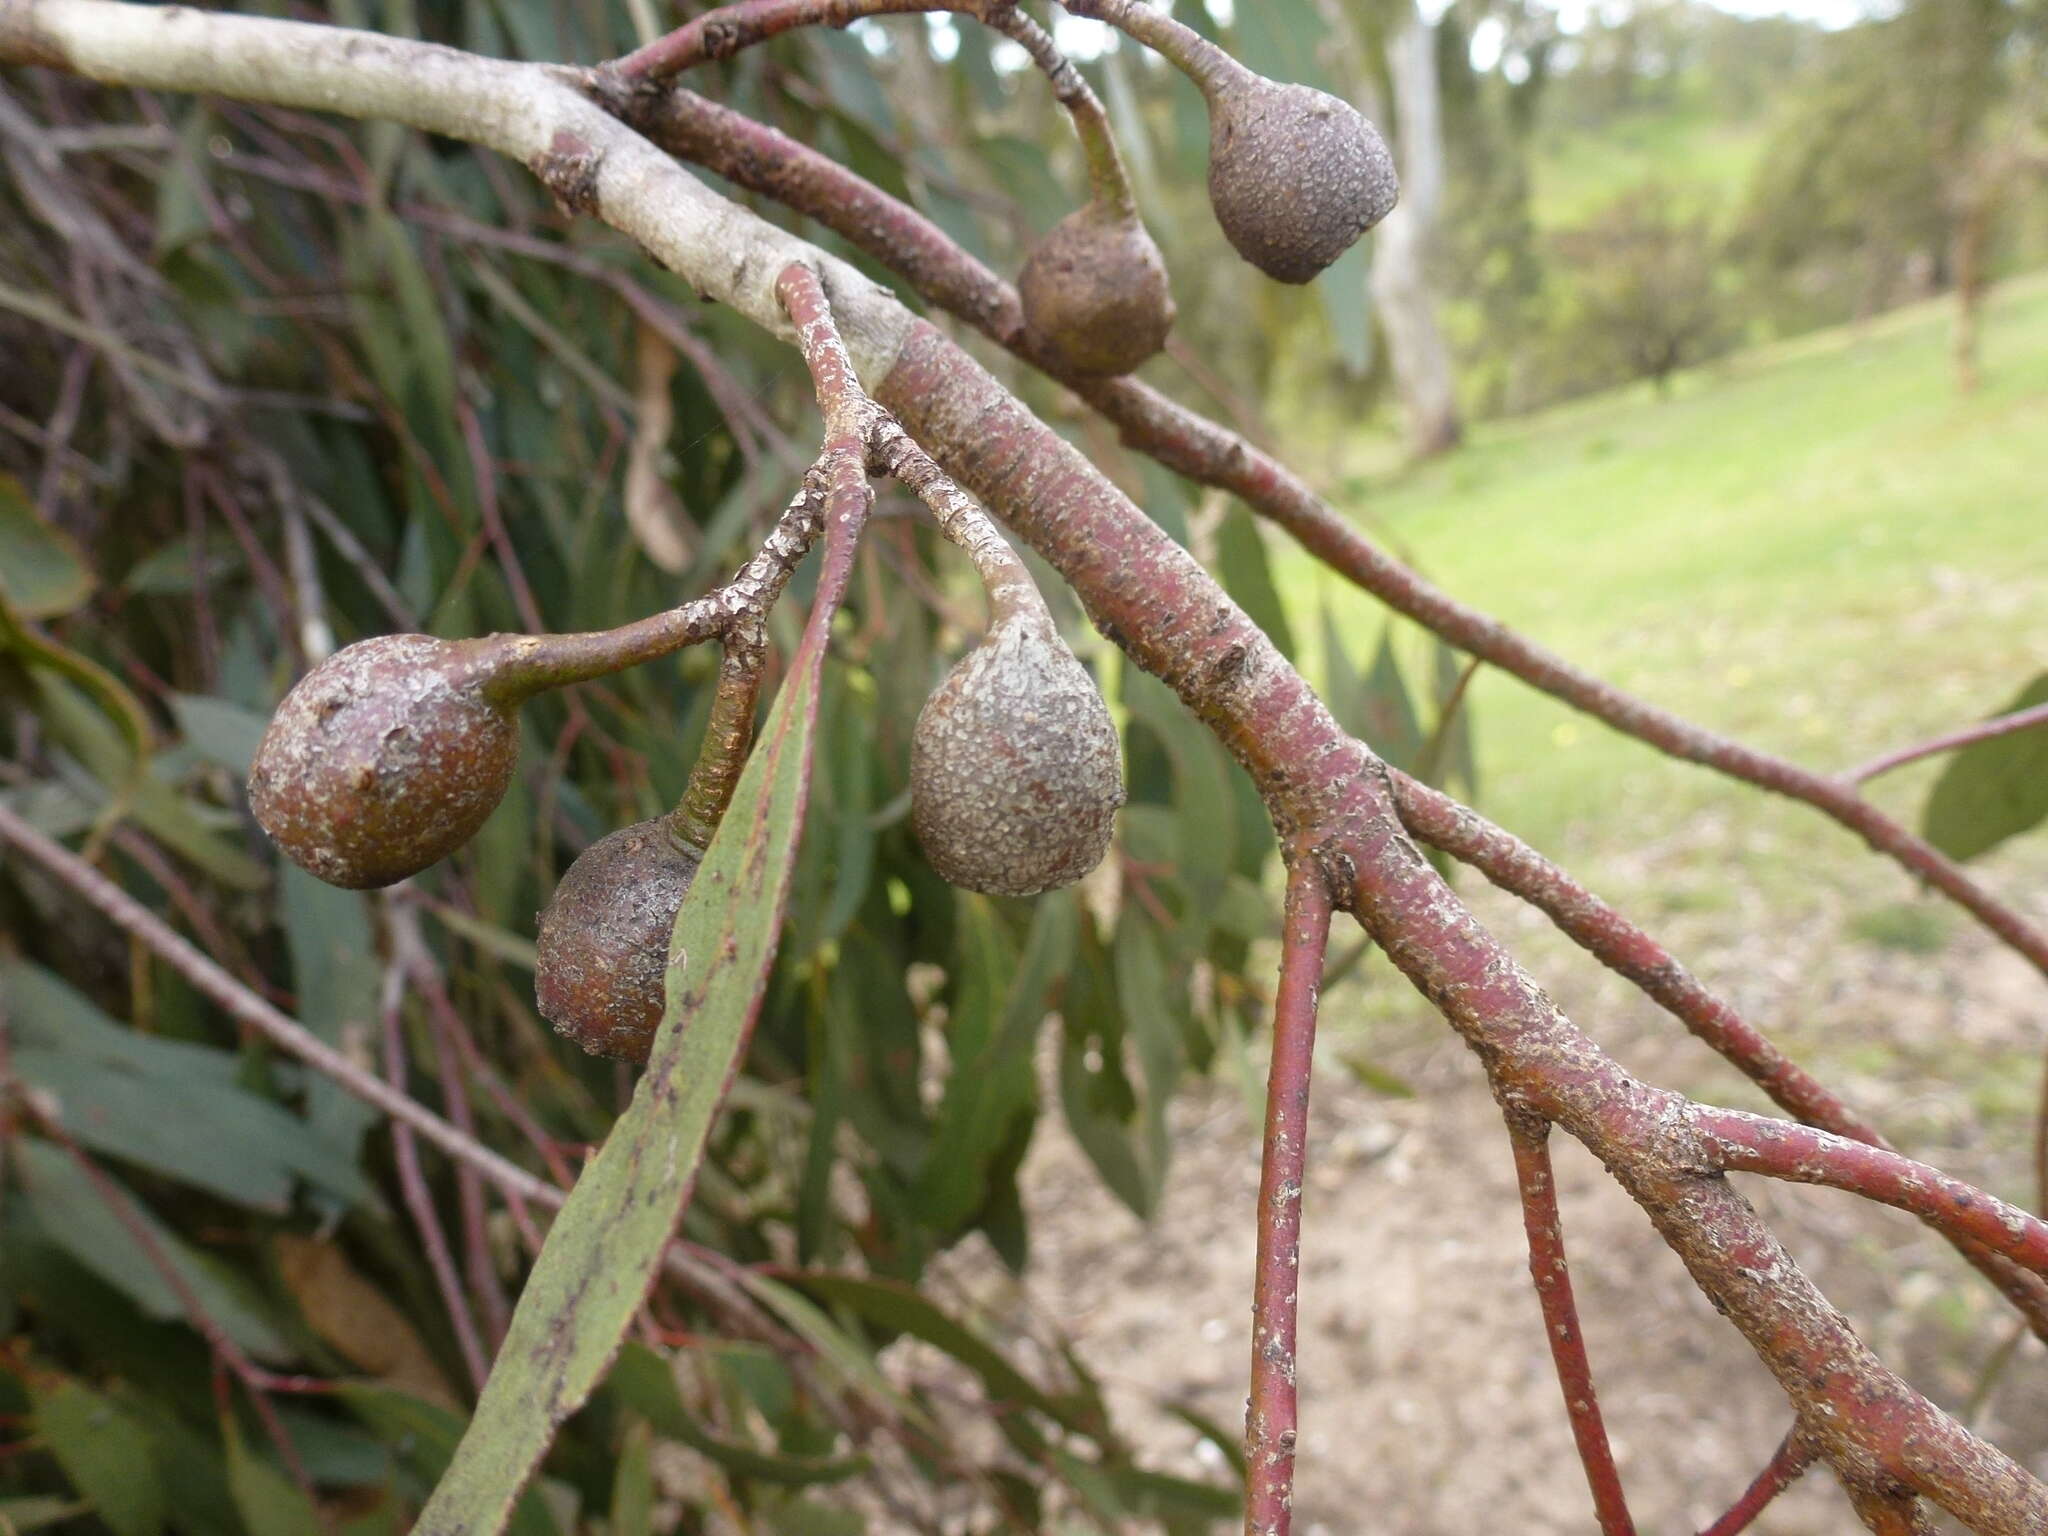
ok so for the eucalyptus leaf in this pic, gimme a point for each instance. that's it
(103, 1451)
(43, 574)
(1992, 790)
(599, 1258)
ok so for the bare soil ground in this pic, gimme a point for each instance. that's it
(1428, 1403)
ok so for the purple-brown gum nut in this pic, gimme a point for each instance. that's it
(1095, 294)
(600, 975)
(383, 759)
(1295, 175)
(1016, 772)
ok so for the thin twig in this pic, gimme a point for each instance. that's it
(726, 30)
(1793, 1456)
(1969, 735)
(1271, 1413)
(1529, 1135)
(419, 1200)
(1441, 822)
(1745, 1143)
(1004, 576)
(763, 160)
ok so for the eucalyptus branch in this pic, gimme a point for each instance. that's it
(1504, 859)
(763, 160)
(719, 34)
(1530, 1139)
(1965, 736)
(1325, 791)
(1271, 1411)
(960, 518)
(1792, 1458)
(1744, 1143)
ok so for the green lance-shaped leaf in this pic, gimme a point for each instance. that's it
(42, 573)
(600, 1257)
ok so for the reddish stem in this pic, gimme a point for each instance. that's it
(1792, 1457)
(1743, 1143)
(1151, 597)
(419, 1200)
(1622, 947)
(1270, 1416)
(725, 31)
(1529, 1135)
(1969, 735)
(762, 160)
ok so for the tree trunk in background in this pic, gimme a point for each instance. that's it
(1973, 225)
(1400, 267)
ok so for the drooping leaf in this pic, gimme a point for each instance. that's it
(357, 1320)
(1992, 790)
(902, 1309)
(1345, 292)
(1203, 803)
(599, 1259)
(424, 1435)
(336, 974)
(103, 1451)
(633, 1483)
(645, 1381)
(78, 1216)
(845, 1355)
(995, 1025)
(42, 573)
(269, 1502)
(169, 1105)
(22, 1516)
(221, 732)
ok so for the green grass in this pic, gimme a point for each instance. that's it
(1686, 146)
(1817, 547)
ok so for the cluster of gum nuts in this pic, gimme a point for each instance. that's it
(390, 754)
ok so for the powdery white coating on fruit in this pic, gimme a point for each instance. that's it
(1095, 294)
(604, 939)
(1295, 175)
(1015, 768)
(382, 760)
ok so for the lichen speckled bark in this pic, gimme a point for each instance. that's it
(1436, 819)
(761, 159)
(1329, 792)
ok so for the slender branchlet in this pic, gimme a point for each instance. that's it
(1005, 578)
(726, 739)
(1271, 1413)
(1529, 1137)
(1793, 1456)
(727, 30)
